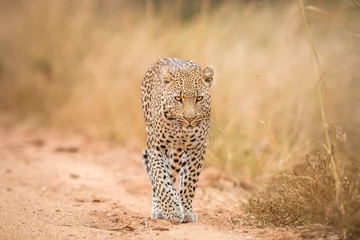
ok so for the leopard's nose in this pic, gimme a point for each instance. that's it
(189, 119)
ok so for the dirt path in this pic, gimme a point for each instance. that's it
(66, 186)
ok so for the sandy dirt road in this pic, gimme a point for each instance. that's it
(66, 186)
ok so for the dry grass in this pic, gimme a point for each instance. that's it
(323, 190)
(308, 195)
(78, 65)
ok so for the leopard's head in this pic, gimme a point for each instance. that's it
(186, 96)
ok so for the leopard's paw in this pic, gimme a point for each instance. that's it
(190, 216)
(157, 214)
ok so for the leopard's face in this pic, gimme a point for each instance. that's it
(186, 95)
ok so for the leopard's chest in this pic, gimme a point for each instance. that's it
(178, 138)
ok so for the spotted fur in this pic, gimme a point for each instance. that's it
(176, 105)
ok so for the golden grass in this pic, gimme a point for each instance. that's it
(309, 195)
(78, 65)
(324, 190)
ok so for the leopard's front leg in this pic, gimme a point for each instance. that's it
(166, 203)
(190, 172)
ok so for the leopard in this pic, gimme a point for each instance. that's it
(175, 96)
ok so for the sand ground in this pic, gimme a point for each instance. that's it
(56, 185)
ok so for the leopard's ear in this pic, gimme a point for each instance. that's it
(165, 76)
(208, 75)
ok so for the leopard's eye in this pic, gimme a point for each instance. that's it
(178, 98)
(199, 98)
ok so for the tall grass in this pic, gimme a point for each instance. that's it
(321, 190)
(79, 64)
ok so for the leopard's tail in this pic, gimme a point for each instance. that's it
(146, 162)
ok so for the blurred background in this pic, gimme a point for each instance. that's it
(78, 66)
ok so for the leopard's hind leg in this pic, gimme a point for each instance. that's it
(156, 213)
